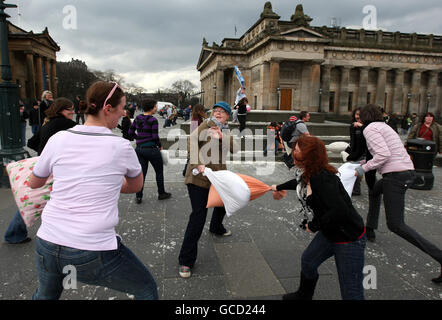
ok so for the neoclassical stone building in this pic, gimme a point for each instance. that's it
(290, 65)
(33, 62)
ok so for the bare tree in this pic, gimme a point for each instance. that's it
(184, 89)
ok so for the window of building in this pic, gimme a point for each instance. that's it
(332, 101)
(368, 97)
(256, 102)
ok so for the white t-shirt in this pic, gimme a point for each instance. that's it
(88, 164)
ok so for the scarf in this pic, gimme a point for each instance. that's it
(218, 124)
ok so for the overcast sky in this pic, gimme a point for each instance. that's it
(155, 42)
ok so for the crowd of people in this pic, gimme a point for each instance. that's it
(91, 166)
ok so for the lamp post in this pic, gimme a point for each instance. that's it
(11, 148)
(408, 102)
(214, 94)
(428, 101)
(320, 99)
(278, 91)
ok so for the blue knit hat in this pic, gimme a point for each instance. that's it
(223, 105)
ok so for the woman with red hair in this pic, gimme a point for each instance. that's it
(339, 228)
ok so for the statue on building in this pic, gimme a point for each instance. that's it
(299, 18)
(268, 11)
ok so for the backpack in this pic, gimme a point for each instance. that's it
(287, 130)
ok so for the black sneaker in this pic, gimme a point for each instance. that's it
(139, 200)
(165, 195)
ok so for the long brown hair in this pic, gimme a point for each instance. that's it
(57, 107)
(198, 113)
(313, 157)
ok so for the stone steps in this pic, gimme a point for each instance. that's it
(280, 116)
(327, 128)
(249, 142)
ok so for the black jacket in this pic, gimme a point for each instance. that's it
(24, 115)
(44, 105)
(242, 109)
(39, 140)
(333, 211)
(358, 146)
(124, 127)
(33, 117)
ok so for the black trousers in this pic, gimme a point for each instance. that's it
(195, 226)
(242, 122)
(393, 186)
(80, 116)
(152, 155)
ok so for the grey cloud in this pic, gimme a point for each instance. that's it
(154, 36)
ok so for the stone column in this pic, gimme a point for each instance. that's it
(39, 77)
(398, 95)
(363, 84)
(305, 86)
(53, 78)
(326, 78)
(315, 84)
(380, 87)
(415, 90)
(31, 75)
(273, 84)
(432, 89)
(265, 85)
(343, 90)
(219, 76)
(48, 74)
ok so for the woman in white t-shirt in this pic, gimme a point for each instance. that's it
(91, 167)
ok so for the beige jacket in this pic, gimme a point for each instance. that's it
(200, 152)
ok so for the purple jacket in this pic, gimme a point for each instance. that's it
(389, 153)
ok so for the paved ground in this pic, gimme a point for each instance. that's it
(261, 260)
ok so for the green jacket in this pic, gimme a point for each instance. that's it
(437, 134)
(200, 153)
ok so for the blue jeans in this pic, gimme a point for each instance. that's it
(349, 258)
(35, 128)
(116, 269)
(17, 231)
(152, 155)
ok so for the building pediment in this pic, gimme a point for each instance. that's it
(302, 32)
(204, 56)
(42, 38)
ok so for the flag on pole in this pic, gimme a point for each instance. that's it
(240, 77)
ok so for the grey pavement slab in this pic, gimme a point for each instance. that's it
(266, 243)
(247, 272)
